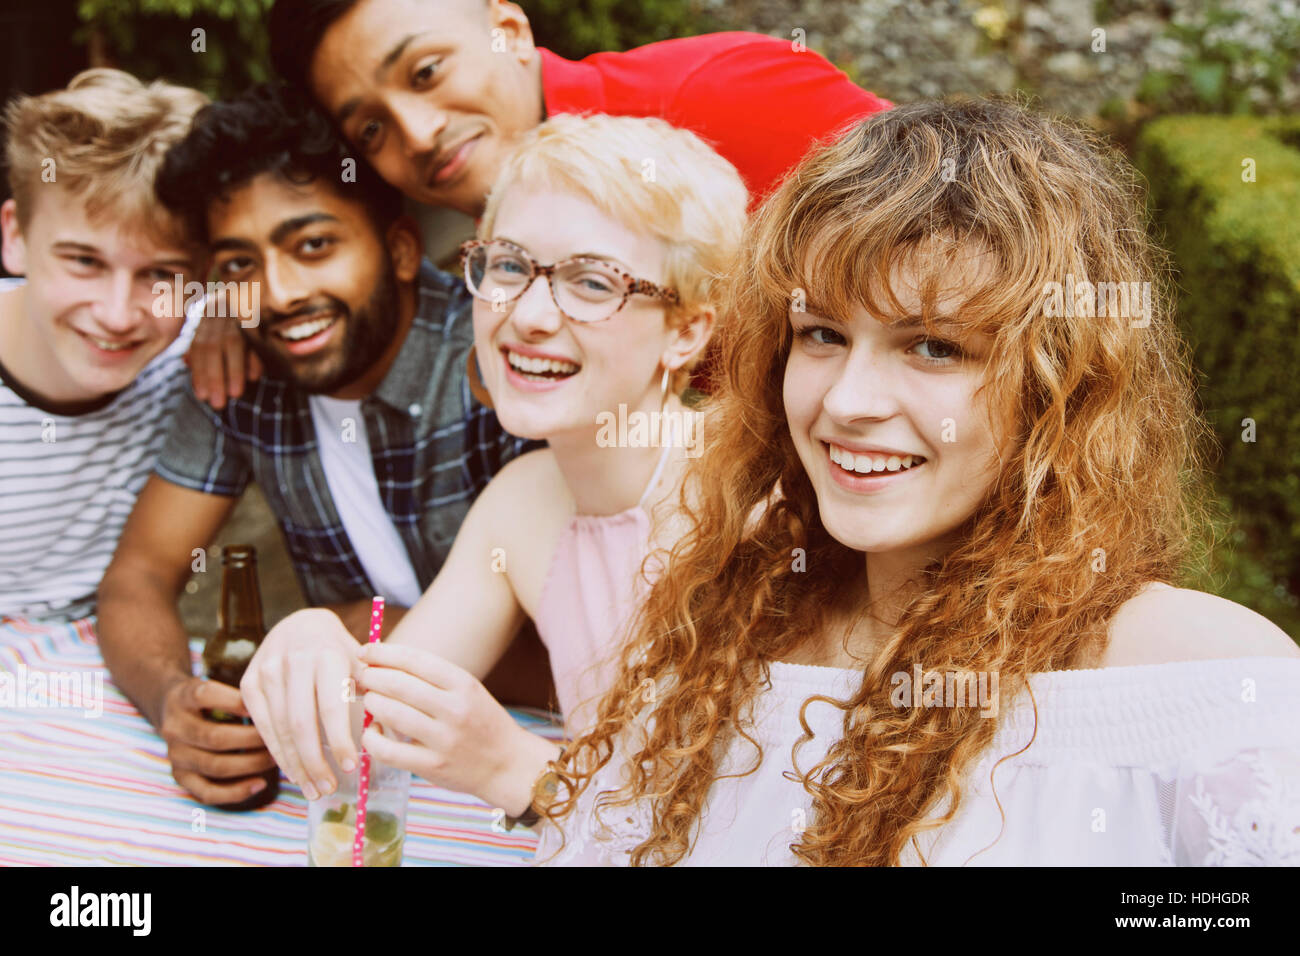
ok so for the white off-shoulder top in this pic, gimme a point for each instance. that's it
(1186, 763)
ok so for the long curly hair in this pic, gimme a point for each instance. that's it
(1102, 492)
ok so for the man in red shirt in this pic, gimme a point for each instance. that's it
(434, 92)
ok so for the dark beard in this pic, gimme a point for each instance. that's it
(368, 333)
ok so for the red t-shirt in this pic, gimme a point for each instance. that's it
(751, 97)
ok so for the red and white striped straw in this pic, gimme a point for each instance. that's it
(363, 787)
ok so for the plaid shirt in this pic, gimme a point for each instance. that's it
(433, 446)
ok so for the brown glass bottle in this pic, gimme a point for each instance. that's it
(239, 634)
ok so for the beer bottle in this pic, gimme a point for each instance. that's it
(239, 633)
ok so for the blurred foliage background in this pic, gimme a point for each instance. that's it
(157, 38)
(1148, 72)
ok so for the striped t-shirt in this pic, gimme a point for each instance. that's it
(68, 483)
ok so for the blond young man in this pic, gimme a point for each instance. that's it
(90, 358)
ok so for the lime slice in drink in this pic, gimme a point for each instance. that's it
(383, 846)
(381, 827)
(337, 814)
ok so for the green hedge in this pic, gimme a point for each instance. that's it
(155, 38)
(1237, 247)
(576, 28)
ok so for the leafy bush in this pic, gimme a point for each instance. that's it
(1234, 56)
(156, 38)
(576, 29)
(1238, 252)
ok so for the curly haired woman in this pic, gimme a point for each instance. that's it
(926, 612)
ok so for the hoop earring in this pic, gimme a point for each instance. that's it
(476, 386)
(663, 390)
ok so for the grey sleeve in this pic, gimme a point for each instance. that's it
(199, 453)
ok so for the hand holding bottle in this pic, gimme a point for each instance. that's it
(221, 764)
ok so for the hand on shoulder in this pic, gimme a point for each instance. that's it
(1163, 624)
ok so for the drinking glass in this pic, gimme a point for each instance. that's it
(331, 820)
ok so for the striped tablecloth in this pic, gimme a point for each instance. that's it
(84, 780)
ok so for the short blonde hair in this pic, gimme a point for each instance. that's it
(106, 135)
(651, 176)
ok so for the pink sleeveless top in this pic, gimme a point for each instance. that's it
(591, 593)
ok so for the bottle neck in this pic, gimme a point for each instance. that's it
(241, 603)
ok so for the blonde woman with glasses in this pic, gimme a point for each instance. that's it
(595, 280)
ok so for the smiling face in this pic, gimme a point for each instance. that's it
(433, 94)
(89, 296)
(890, 423)
(548, 375)
(330, 308)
